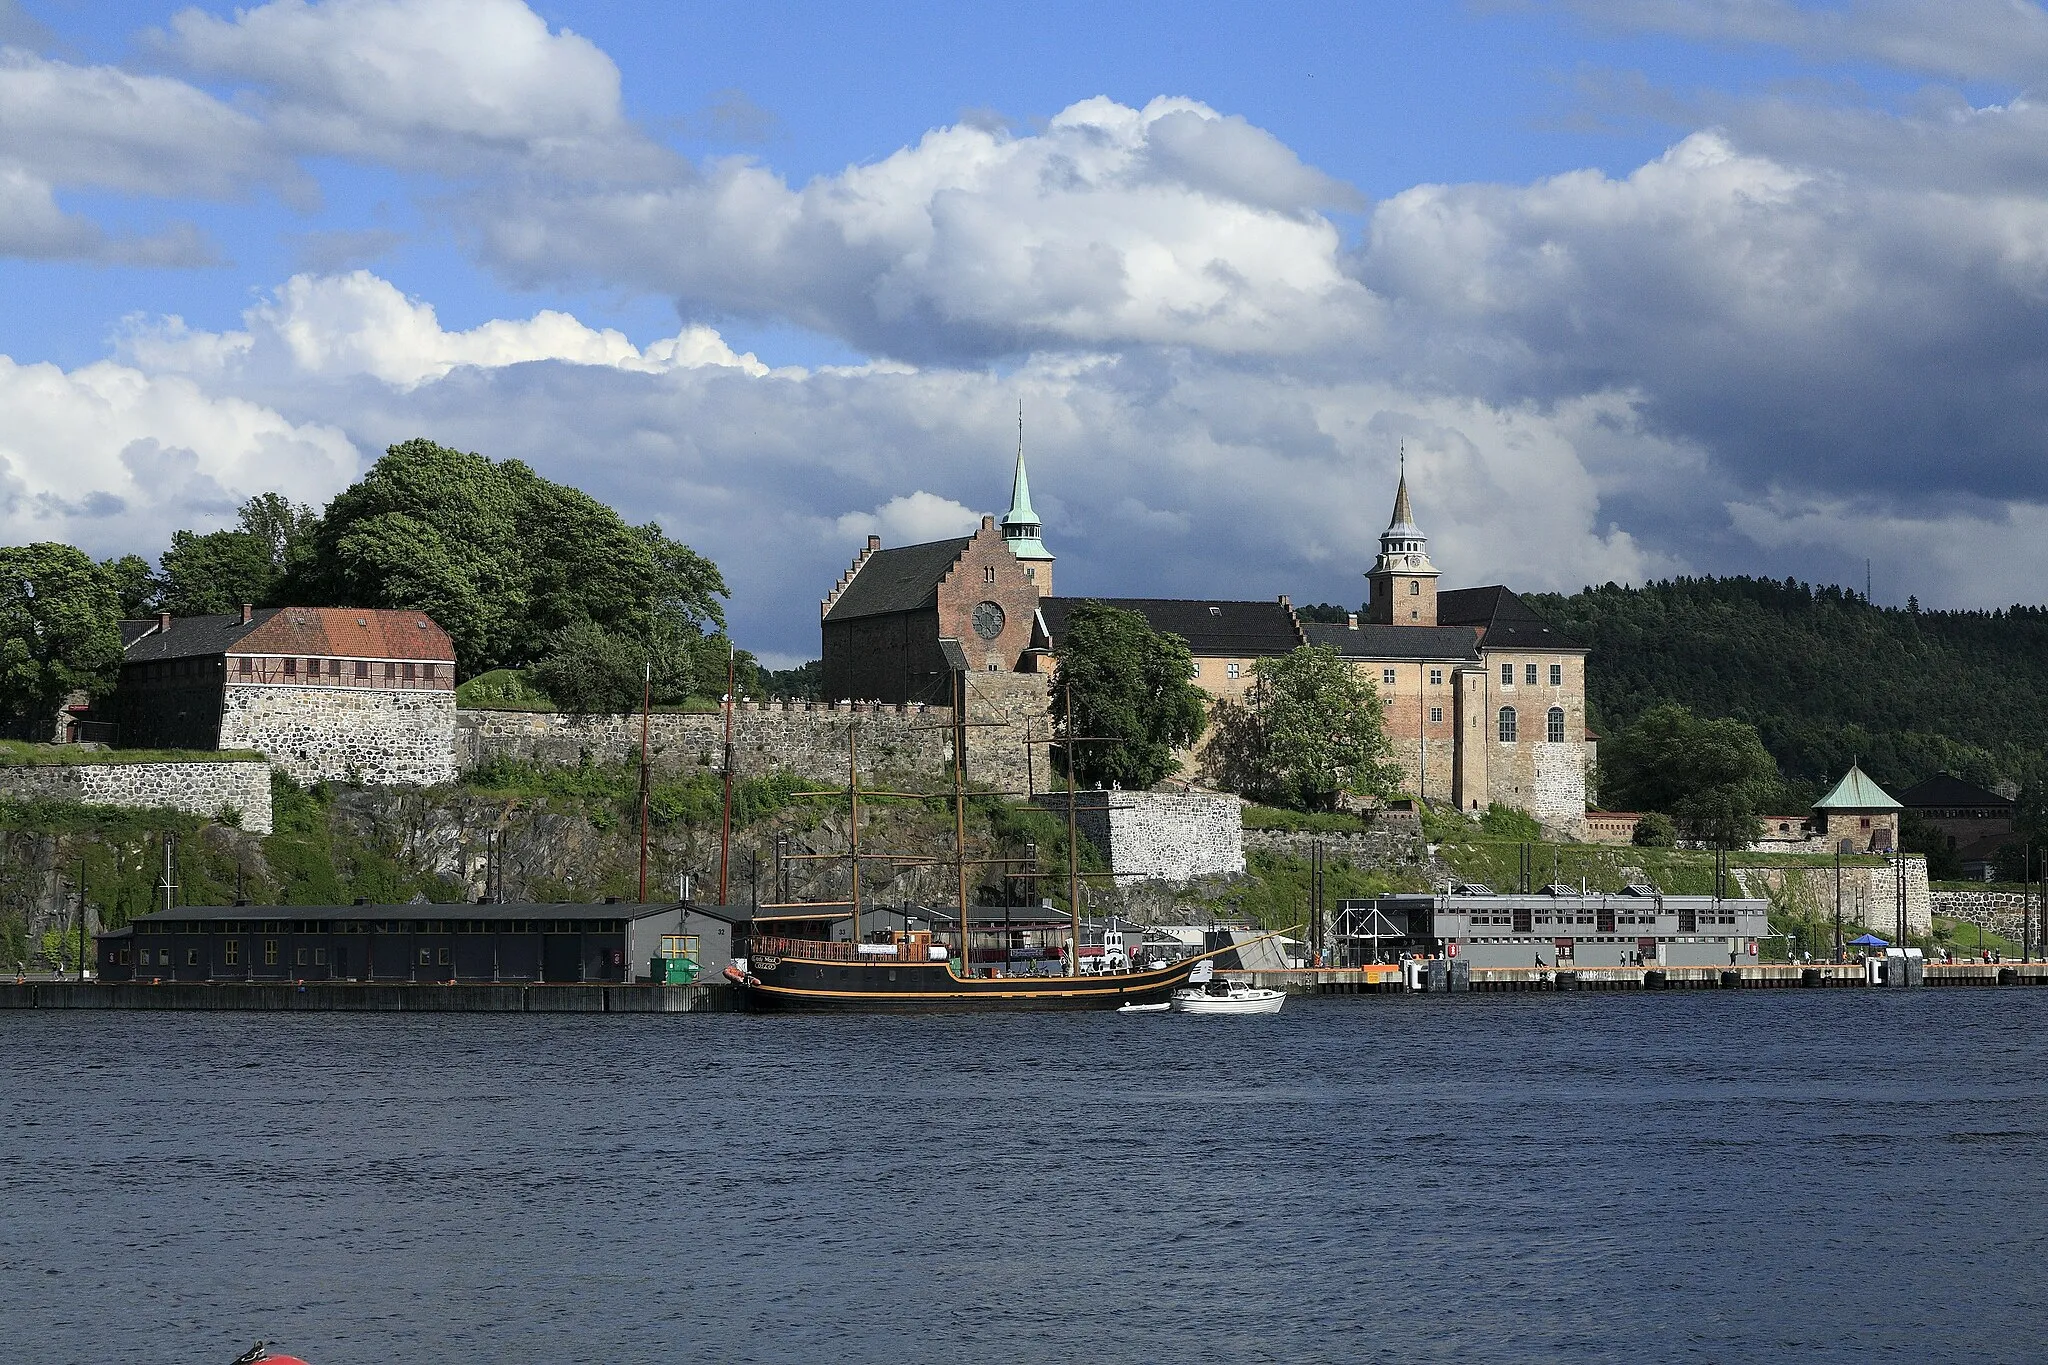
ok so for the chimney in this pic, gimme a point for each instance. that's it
(1351, 619)
(163, 623)
(248, 612)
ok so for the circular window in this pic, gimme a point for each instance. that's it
(988, 620)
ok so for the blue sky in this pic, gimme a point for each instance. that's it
(1643, 286)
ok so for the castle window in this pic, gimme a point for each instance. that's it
(1507, 675)
(1436, 677)
(988, 573)
(1557, 675)
(1230, 670)
(247, 667)
(362, 668)
(1030, 573)
(430, 674)
(1507, 725)
(408, 672)
(1529, 674)
(291, 668)
(1554, 726)
(334, 668)
(390, 670)
(1387, 676)
(312, 668)
(1194, 668)
(1414, 588)
(1436, 715)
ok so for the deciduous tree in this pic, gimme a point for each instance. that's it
(1713, 777)
(1309, 728)
(1130, 685)
(58, 628)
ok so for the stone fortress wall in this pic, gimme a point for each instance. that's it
(204, 789)
(339, 734)
(2004, 913)
(1159, 836)
(806, 738)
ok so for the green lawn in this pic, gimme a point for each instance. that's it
(16, 753)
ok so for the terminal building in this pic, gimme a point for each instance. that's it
(613, 943)
(1558, 926)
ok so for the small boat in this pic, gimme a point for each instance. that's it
(261, 1353)
(1207, 993)
(1143, 1009)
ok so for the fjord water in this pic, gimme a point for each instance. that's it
(1739, 1175)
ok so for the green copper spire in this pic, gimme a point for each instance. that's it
(1020, 523)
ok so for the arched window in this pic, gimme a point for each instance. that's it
(1554, 729)
(1414, 588)
(1507, 725)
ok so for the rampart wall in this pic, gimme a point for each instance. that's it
(319, 734)
(806, 738)
(1159, 836)
(203, 789)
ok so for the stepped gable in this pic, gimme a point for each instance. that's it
(1235, 629)
(882, 582)
(1363, 641)
(1503, 619)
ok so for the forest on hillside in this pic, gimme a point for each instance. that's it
(1824, 675)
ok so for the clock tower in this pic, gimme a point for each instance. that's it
(1403, 582)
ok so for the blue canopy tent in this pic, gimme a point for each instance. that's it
(1869, 941)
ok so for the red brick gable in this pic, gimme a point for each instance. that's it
(348, 633)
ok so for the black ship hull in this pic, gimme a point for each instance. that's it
(791, 980)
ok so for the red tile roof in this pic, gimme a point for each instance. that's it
(348, 633)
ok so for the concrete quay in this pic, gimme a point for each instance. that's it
(1386, 979)
(370, 997)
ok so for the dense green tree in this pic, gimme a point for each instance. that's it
(589, 669)
(58, 628)
(1713, 777)
(1824, 675)
(800, 683)
(215, 573)
(1654, 830)
(505, 560)
(134, 584)
(1310, 726)
(1129, 685)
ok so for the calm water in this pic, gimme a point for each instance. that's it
(1710, 1177)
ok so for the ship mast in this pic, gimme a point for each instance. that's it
(1073, 850)
(725, 823)
(960, 812)
(853, 828)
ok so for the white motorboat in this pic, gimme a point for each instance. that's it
(1141, 1009)
(1207, 993)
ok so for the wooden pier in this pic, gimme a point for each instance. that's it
(1386, 979)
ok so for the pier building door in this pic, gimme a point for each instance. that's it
(1523, 923)
(561, 957)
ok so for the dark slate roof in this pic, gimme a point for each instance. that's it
(1946, 789)
(1250, 630)
(903, 579)
(1507, 621)
(131, 631)
(1396, 642)
(421, 910)
(192, 636)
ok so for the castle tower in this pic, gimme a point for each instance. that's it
(1020, 525)
(1403, 582)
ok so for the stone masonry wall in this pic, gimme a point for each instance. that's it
(1868, 893)
(319, 734)
(1160, 836)
(806, 738)
(196, 788)
(2004, 913)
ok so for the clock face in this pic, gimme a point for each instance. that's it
(988, 620)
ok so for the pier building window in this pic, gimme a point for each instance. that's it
(231, 953)
(1507, 675)
(1557, 675)
(1387, 676)
(270, 952)
(1554, 726)
(191, 957)
(305, 957)
(1507, 724)
(1529, 674)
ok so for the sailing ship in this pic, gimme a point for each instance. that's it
(915, 970)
